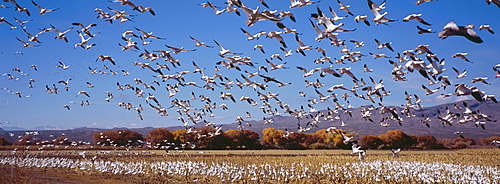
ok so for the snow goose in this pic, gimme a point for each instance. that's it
(480, 79)
(198, 43)
(459, 74)
(461, 55)
(43, 10)
(452, 29)
(147, 35)
(359, 18)
(416, 17)
(302, 46)
(423, 1)
(496, 2)
(26, 44)
(429, 91)
(486, 27)
(224, 51)
(85, 29)
(396, 152)
(61, 34)
(381, 45)
(422, 30)
(345, 8)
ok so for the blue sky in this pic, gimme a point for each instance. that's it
(176, 21)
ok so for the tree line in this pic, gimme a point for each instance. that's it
(210, 138)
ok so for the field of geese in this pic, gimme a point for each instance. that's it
(461, 166)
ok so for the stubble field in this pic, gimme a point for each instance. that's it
(249, 166)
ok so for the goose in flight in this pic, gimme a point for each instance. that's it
(198, 43)
(452, 29)
(345, 8)
(224, 51)
(62, 65)
(460, 74)
(429, 91)
(396, 152)
(147, 35)
(363, 18)
(424, 1)
(83, 92)
(61, 34)
(496, 2)
(486, 27)
(276, 34)
(103, 58)
(359, 150)
(416, 17)
(178, 50)
(462, 55)
(480, 79)
(422, 30)
(381, 45)
(85, 29)
(43, 10)
(26, 44)
(379, 18)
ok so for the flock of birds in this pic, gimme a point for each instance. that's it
(378, 170)
(243, 71)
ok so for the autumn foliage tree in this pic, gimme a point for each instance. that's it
(273, 138)
(242, 139)
(397, 139)
(160, 137)
(4, 142)
(117, 138)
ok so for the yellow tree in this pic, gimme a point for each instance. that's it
(397, 139)
(273, 138)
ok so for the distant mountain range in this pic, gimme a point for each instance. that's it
(356, 123)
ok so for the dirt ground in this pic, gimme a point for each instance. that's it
(12, 174)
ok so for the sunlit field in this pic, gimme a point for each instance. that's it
(248, 166)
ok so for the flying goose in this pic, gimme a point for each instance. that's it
(43, 10)
(26, 44)
(452, 29)
(198, 43)
(423, 1)
(487, 27)
(462, 55)
(381, 45)
(416, 17)
(345, 8)
(422, 30)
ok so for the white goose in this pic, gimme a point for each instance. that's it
(452, 29)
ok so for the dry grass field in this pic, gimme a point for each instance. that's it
(249, 166)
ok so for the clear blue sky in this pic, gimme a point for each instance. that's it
(176, 21)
